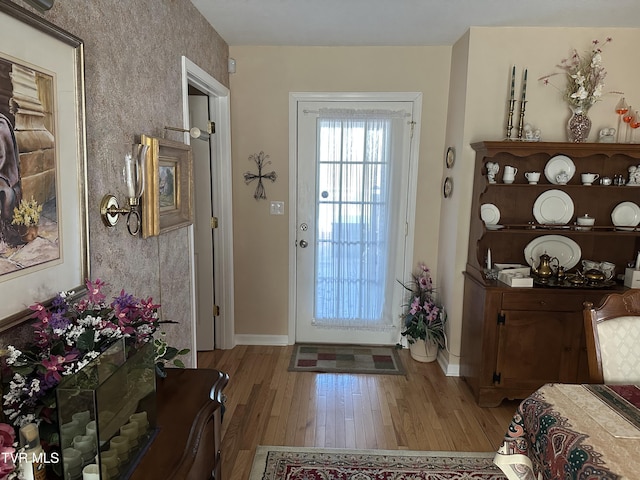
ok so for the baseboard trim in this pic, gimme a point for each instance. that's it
(450, 370)
(268, 340)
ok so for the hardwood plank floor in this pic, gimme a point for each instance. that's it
(268, 405)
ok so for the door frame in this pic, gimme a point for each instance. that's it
(219, 104)
(294, 99)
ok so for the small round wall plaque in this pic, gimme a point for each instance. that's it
(450, 157)
(447, 188)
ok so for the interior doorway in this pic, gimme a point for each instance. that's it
(204, 225)
(209, 98)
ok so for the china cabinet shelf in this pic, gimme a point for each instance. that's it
(514, 340)
(541, 229)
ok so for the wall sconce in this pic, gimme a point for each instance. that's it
(134, 173)
(195, 132)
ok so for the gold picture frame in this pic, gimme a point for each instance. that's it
(167, 201)
(60, 104)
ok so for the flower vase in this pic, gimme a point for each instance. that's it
(28, 233)
(579, 125)
(424, 351)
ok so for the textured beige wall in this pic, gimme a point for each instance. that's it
(482, 62)
(133, 85)
(259, 103)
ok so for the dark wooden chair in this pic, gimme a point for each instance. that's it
(612, 333)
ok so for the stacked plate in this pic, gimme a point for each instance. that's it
(490, 215)
(557, 165)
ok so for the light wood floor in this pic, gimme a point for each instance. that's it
(424, 410)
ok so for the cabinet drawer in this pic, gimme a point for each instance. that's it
(558, 302)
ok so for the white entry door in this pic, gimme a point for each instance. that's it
(353, 170)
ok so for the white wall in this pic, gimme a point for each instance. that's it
(259, 105)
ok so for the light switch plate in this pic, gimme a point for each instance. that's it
(276, 208)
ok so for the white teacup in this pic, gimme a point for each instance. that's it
(533, 177)
(589, 264)
(589, 178)
(608, 268)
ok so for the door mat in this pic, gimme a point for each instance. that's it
(298, 463)
(345, 359)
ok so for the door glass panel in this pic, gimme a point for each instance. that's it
(352, 224)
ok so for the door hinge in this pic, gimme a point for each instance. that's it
(216, 311)
(501, 319)
(214, 222)
(496, 377)
(211, 127)
(413, 124)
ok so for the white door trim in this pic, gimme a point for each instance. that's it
(219, 97)
(294, 98)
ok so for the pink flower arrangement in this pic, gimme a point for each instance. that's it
(67, 336)
(424, 318)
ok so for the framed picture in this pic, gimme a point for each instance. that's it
(43, 217)
(167, 201)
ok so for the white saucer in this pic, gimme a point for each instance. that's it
(489, 213)
(553, 207)
(626, 214)
(493, 226)
(558, 164)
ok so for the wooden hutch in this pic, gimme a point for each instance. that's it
(514, 340)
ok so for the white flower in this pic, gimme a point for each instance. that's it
(597, 92)
(35, 387)
(14, 353)
(581, 94)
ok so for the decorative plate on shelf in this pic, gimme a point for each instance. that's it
(563, 248)
(489, 213)
(626, 214)
(558, 164)
(553, 207)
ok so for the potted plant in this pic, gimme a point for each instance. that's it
(423, 319)
(27, 217)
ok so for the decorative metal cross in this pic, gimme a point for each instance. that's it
(260, 159)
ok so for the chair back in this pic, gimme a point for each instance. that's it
(612, 332)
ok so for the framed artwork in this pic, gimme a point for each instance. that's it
(43, 217)
(167, 201)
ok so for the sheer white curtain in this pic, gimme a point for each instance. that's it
(357, 192)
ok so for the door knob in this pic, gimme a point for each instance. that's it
(304, 243)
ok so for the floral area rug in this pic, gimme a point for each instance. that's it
(297, 463)
(345, 359)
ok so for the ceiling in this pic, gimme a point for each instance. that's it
(398, 22)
